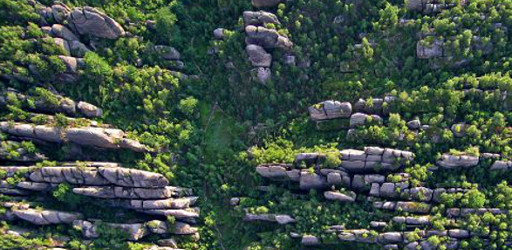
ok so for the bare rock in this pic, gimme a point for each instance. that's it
(90, 21)
(89, 110)
(337, 196)
(258, 56)
(258, 18)
(330, 110)
(46, 217)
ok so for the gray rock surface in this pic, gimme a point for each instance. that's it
(258, 56)
(90, 21)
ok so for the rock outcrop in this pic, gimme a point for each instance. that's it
(106, 138)
(90, 21)
(261, 35)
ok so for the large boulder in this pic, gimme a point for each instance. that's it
(267, 38)
(259, 18)
(330, 110)
(310, 180)
(258, 56)
(90, 21)
(63, 32)
(46, 217)
(454, 161)
(89, 110)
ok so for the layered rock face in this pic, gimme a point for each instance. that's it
(141, 191)
(105, 138)
(365, 175)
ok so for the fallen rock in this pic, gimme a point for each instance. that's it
(258, 56)
(89, 110)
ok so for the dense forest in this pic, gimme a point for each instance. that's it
(255, 124)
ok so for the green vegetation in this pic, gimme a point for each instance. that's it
(210, 132)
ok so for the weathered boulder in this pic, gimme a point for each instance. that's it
(414, 124)
(167, 243)
(312, 181)
(330, 110)
(338, 196)
(264, 3)
(272, 171)
(263, 75)
(63, 45)
(181, 228)
(89, 110)
(310, 240)
(501, 165)
(258, 18)
(157, 226)
(218, 33)
(173, 203)
(46, 217)
(63, 32)
(71, 175)
(360, 119)
(60, 12)
(267, 38)
(77, 48)
(258, 56)
(133, 178)
(454, 161)
(90, 21)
